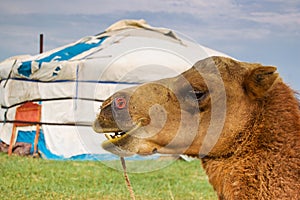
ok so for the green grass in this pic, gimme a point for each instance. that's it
(29, 178)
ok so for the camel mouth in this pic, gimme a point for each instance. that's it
(112, 136)
(117, 136)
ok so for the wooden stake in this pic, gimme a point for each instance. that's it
(41, 43)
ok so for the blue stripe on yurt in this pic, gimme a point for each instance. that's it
(64, 54)
(28, 137)
(25, 68)
(106, 157)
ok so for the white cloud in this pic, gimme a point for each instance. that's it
(278, 19)
(204, 9)
(217, 11)
(224, 15)
(231, 26)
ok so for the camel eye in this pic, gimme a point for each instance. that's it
(199, 95)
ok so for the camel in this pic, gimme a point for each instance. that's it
(239, 118)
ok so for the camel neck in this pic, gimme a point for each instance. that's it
(265, 164)
(280, 116)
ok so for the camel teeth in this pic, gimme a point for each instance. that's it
(111, 136)
(108, 136)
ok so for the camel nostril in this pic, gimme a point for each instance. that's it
(119, 103)
(154, 150)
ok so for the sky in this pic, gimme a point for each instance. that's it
(264, 31)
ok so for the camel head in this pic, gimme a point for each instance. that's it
(200, 112)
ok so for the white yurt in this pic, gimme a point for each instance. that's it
(51, 99)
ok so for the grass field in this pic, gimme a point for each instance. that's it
(29, 178)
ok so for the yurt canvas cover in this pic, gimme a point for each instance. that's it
(70, 82)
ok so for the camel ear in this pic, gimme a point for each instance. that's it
(260, 81)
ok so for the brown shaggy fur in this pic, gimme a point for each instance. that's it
(257, 154)
(266, 162)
